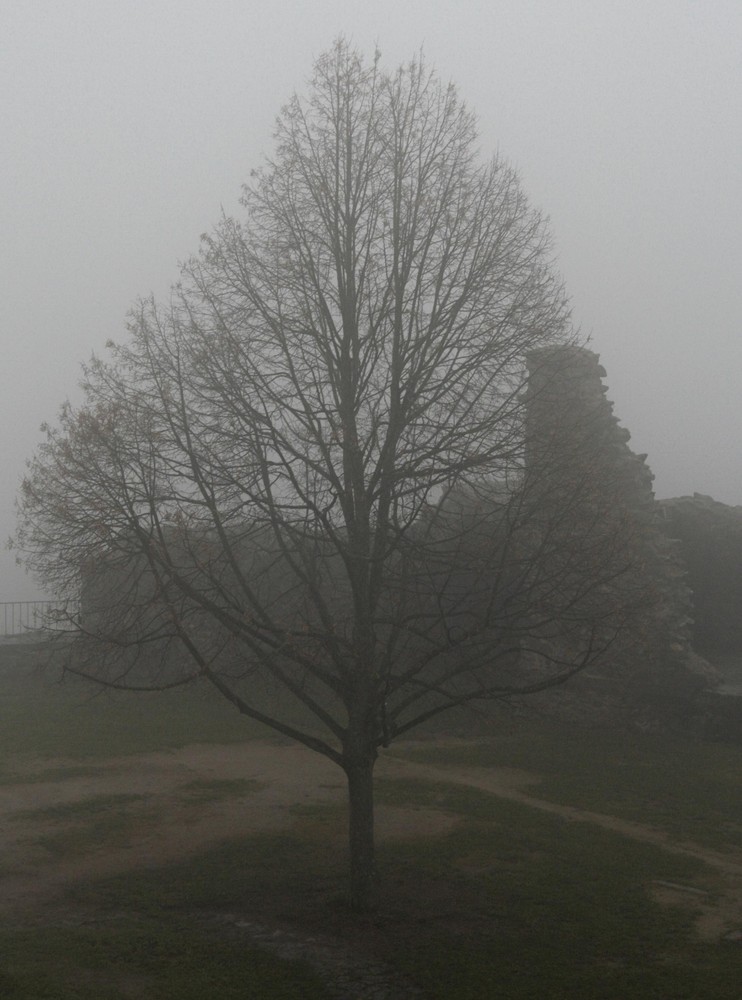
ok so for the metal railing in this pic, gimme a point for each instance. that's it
(18, 618)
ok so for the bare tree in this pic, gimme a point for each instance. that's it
(310, 468)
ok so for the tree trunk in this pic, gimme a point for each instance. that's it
(361, 832)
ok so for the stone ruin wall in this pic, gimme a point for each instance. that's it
(662, 673)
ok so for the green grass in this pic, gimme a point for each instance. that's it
(42, 715)
(82, 809)
(688, 789)
(96, 823)
(49, 774)
(203, 790)
(142, 957)
(512, 903)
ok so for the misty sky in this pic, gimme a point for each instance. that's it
(127, 127)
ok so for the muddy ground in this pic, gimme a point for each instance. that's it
(32, 809)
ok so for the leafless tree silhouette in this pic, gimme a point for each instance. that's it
(312, 470)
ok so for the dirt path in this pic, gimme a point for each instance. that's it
(507, 783)
(157, 791)
(720, 908)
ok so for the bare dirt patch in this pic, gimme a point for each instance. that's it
(163, 822)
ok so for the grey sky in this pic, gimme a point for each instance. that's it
(127, 126)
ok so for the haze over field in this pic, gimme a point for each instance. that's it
(128, 127)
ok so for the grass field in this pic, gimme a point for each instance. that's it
(50, 716)
(689, 789)
(511, 902)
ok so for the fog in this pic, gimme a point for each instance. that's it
(127, 128)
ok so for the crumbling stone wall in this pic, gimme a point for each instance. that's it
(653, 674)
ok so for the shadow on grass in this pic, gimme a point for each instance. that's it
(139, 957)
(510, 903)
